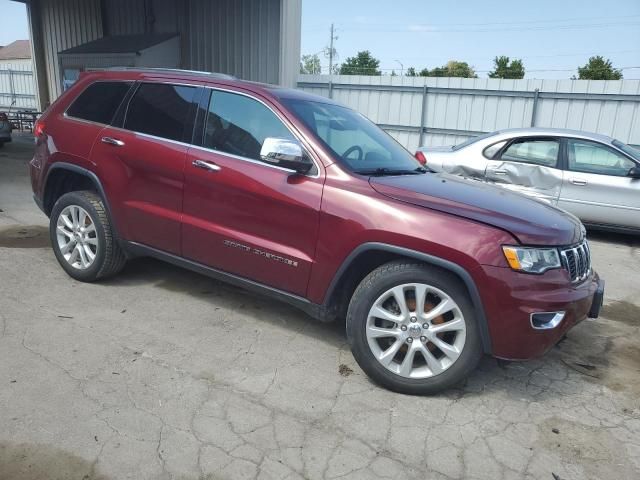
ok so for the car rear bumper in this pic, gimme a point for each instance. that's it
(518, 305)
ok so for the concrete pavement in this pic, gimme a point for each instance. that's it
(161, 373)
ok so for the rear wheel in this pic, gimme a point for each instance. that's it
(82, 238)
(412, 328)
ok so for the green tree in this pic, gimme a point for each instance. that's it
(310, 64)
(362, 64)
(453, 68)
(597, 68)
(411, 72)
(503, 67)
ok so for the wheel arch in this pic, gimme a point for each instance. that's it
(368, 256)
(87, 180)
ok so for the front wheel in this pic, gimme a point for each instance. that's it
(412, 328)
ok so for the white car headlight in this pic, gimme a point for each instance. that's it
(532, 260)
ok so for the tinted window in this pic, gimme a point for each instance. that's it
(537, 151)
(161, 110)
(591, 157)
(99, 101)
(238, 125)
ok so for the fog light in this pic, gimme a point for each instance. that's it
(546, 320)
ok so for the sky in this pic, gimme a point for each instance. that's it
(552, 37)
(13, 22)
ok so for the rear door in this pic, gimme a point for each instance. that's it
(596, 187)
(241, 215)
(528, 165)
(141, 160)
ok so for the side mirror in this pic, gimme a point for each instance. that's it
(634, 172)
(286, 154)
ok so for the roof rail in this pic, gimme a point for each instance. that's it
(222, 76)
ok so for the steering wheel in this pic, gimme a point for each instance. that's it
(355, 148)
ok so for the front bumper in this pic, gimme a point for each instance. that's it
(511, 298)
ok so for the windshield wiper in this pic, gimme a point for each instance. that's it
(384, 171)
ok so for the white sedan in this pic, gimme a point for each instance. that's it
(595, 177)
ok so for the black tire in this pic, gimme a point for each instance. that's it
(376, 284)
(110, 258)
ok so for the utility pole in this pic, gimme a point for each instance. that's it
(333, 37)
(401, 67)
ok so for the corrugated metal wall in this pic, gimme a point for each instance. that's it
(125, 17)
(239, 37)
(453, 117)
(65, 24)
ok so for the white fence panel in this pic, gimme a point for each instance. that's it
(443, 111)
(17, 88)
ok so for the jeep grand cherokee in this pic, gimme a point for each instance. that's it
(295, 196)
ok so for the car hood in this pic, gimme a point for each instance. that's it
(532, 222)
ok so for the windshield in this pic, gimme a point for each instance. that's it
(634, 152)
(473, 140)
(353, 139)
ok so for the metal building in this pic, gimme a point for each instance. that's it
(252, 39)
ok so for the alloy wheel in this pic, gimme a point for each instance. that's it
(416, 330)
(77, 237)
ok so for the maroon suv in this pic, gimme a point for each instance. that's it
(300, 198)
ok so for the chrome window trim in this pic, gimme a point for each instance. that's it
(219, 152)
(189, 145)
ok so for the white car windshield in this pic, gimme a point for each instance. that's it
(629, 150)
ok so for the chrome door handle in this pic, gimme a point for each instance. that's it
(112, 141)
(212, 167)
(498, 171)
(580, 183)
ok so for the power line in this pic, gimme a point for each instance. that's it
(512, 22)
(420, 28)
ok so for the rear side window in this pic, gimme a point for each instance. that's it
(99, 101)
(537, 151)
(161, 110)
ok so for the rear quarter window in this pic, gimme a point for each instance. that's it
(161, 110)
(99, 101)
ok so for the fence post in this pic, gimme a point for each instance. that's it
(534, 109)
(12, 90)
(330, 89)
(423, 114)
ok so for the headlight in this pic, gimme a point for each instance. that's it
(532, 260)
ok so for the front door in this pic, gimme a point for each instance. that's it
(142, 164)
(241, 215)
(596, 185)
(529, 165)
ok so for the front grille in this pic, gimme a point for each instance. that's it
(577, 261)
